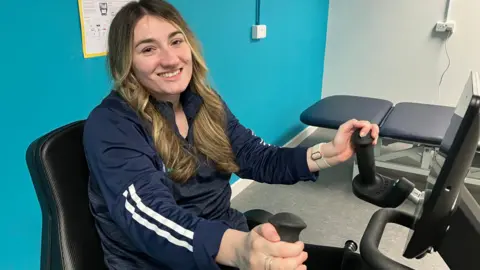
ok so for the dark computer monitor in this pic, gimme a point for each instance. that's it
(449, 168)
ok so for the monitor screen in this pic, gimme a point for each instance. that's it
(449, 167)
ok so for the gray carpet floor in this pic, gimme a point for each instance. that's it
(332, 213)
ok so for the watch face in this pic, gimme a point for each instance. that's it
(316, 155)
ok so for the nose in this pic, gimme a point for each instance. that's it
(168, 58)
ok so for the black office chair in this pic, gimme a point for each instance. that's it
(59, 172)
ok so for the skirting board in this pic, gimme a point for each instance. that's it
(241, 184)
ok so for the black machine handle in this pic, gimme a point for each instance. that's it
(365, 158)
(373, 233)
(372, 187)
(288, 226)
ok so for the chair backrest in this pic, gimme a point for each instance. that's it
(59, 172)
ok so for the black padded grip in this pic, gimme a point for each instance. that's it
(373, 233)
(288, 226)
(256, 217)
(365, 157)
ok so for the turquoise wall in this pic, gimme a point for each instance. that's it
(47, 83)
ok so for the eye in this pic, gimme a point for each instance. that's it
(177, 42)
(148, 50)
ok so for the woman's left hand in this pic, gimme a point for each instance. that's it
(341, 148)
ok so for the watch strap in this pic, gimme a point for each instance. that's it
(318, 157)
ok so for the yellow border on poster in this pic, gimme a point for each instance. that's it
(82, 26)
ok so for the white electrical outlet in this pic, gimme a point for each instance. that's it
(441, 27)
(448, 26)
(259, 31)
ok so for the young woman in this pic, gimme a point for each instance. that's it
(161, 148)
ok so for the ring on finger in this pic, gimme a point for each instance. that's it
(268, 263)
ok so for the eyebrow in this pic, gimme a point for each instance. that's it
(151, 40)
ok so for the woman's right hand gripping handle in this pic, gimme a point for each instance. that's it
(260, 249)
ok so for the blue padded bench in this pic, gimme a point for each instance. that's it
(333, 111)
(417, 122)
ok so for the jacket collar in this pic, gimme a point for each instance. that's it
(190, 101)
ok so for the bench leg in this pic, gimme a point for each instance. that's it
(421, 155)
(411, 153)
(417, 152)
(427, 157)
(472, 181)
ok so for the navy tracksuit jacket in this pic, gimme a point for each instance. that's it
(147, 221)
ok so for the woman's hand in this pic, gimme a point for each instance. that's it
(263, 250)
(341, 148)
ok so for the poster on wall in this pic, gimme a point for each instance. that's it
(95, 18)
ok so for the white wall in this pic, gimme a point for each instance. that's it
(388, 49)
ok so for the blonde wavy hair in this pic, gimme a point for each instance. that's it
(209, 128)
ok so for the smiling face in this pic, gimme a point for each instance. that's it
(162, 59)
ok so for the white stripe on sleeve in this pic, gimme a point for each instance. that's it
(163, 220)
(147, 224)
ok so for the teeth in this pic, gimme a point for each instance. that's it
(169, 74)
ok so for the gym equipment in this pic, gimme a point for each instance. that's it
(447, 218)
(417, 125)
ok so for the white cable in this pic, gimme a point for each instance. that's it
(448, 66)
